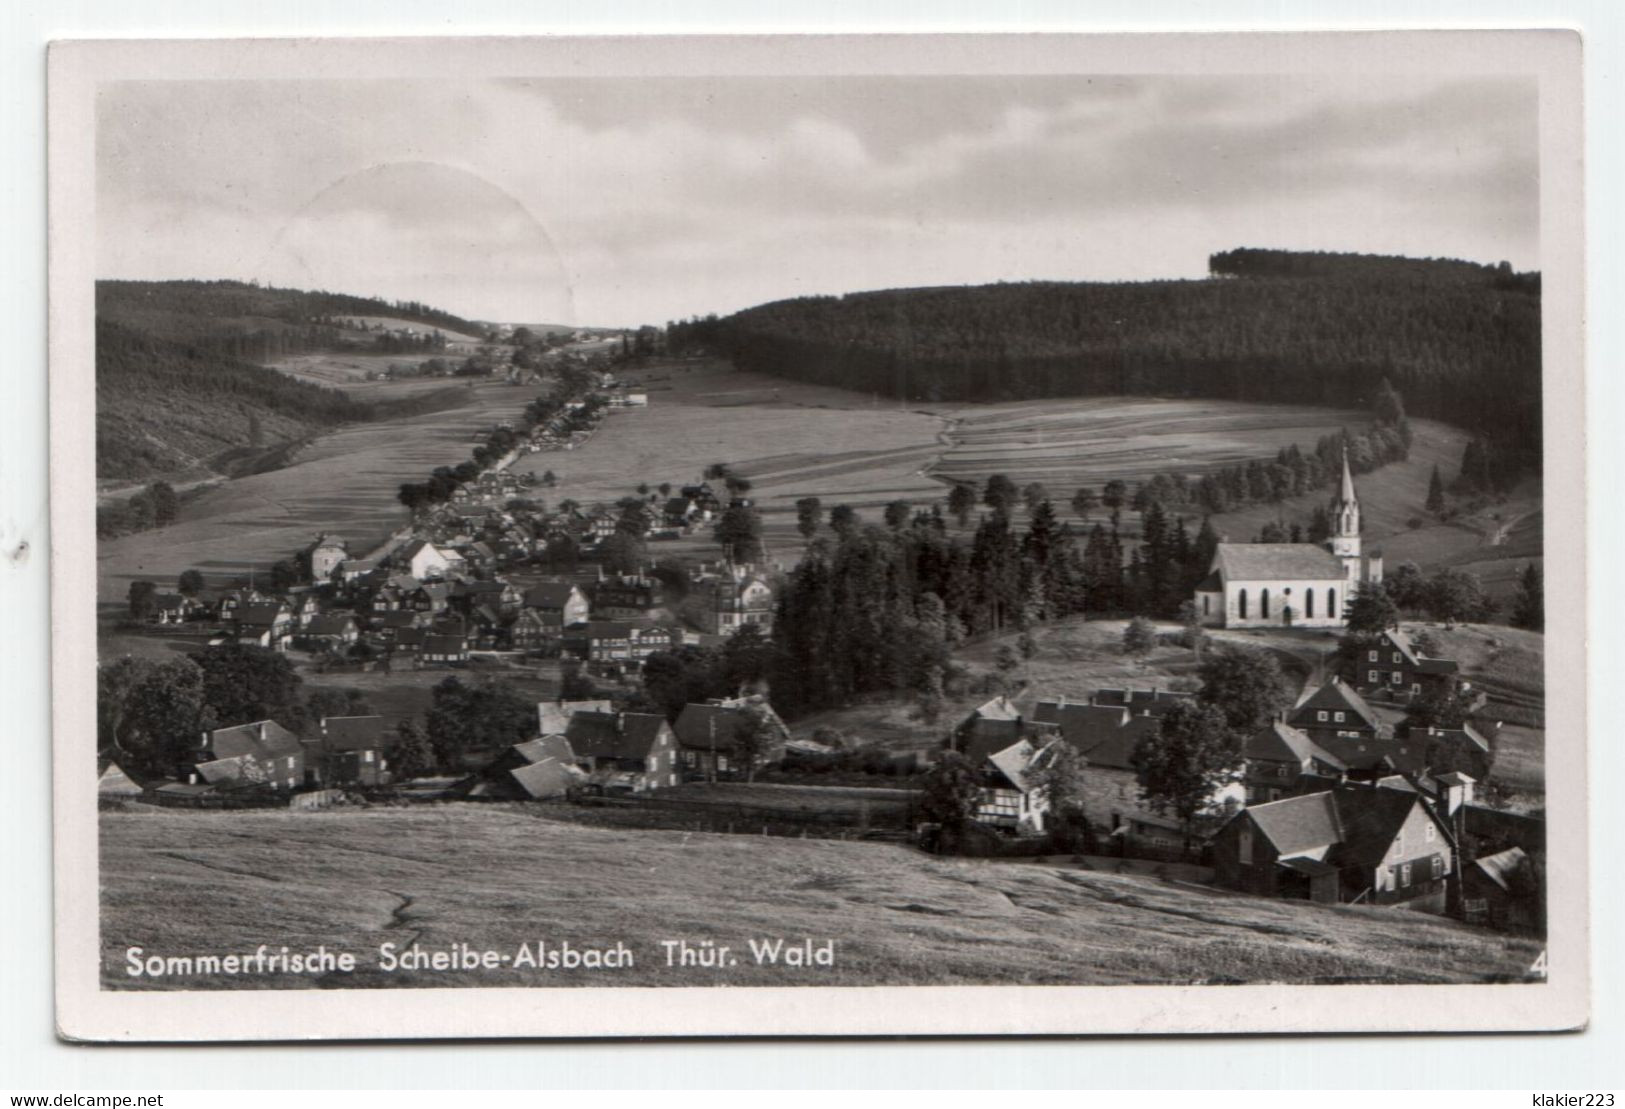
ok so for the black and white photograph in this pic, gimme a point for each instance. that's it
(667, 535)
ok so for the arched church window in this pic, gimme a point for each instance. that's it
(1242, 604)
(1264, 604)
(1309, 604)
(1331, 602)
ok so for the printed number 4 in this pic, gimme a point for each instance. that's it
(1538, 968)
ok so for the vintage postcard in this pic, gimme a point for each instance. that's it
(921, 535)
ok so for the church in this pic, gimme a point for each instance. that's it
(1305, 585)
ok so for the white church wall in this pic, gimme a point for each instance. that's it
(1283, 593)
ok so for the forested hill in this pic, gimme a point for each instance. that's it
(178, 387)
(1460, 341)
(164, 407)
(253, 321)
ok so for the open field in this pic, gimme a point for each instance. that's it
(791, 440)
(1072, 441)
(343, 483)
(497, 876)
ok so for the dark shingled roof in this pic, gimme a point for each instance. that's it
(614, 735)
(263, 739)
(1334, 696)
(332, 624)
(1276, 562)
(352, 733)
(549, 594)
(1299, 824)
(1278, 742)
(695, 723)
(1105, 735)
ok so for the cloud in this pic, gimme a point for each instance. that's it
(624, 200)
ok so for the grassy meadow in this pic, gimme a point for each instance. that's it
(343, 483)
(496, 876)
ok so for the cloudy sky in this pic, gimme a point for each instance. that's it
(616, 201)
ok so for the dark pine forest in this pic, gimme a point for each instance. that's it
(1460, 341)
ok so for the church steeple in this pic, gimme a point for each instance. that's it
(1345, 513)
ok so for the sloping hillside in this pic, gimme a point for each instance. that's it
(1460, 341)
(501, 875)
(179, 388)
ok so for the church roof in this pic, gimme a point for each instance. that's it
(1276, 562)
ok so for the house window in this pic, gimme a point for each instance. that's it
(1396, 656)
(1371, 676)
(1438, 866)
(1281, 771)
(1340, 717)
(1372, 657)
(1429, 831)
(1399, 679)
(1321, 716)
(1244, 847)
(1405, 874)
(366, 756)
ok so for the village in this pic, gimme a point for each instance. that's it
(1361, 777)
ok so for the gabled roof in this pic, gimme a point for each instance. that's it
(400, 618)
(261, 613)
(1281, 742)
(444, 644)
(1370, 819)
(1436, 665)
(1276, 562)
(554, 716)
(1105, 735)
(551, 594)
(1335, 696)
(263, 739)
(545, 747)
(333, 623)
(614, 735)
(548, 778)
(1298, 824)
(238, 769)
(352, 733)
(1500, 866)
(1018, 762)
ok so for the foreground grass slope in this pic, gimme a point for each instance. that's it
(499, 876)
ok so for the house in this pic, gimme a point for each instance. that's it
(531, 631)
(552, 717)
(426, 561)
(740, 596)
(408, 642)
(305, 605)
(539, 769)
(1282, 760)
(114, 783)
(994, 725)
(706, 737)
(335, 629)
(233, 602)
(1390, 668)
(262, 753)
(445, 650)
(625, 597)
(563, 600)
(1011, 799)
(353, 570)
(265, 624)
(389, 625)
(630, 752)
(469, 595)
(352, 751)
(1350, 844)
(1258, 585)
(325, 555)
(1333, 714)
(174, 608)
(1503, 890)
(1466, 749)
(1106, 736)
(1141, 702)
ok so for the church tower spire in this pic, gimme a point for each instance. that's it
(1345, 537)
